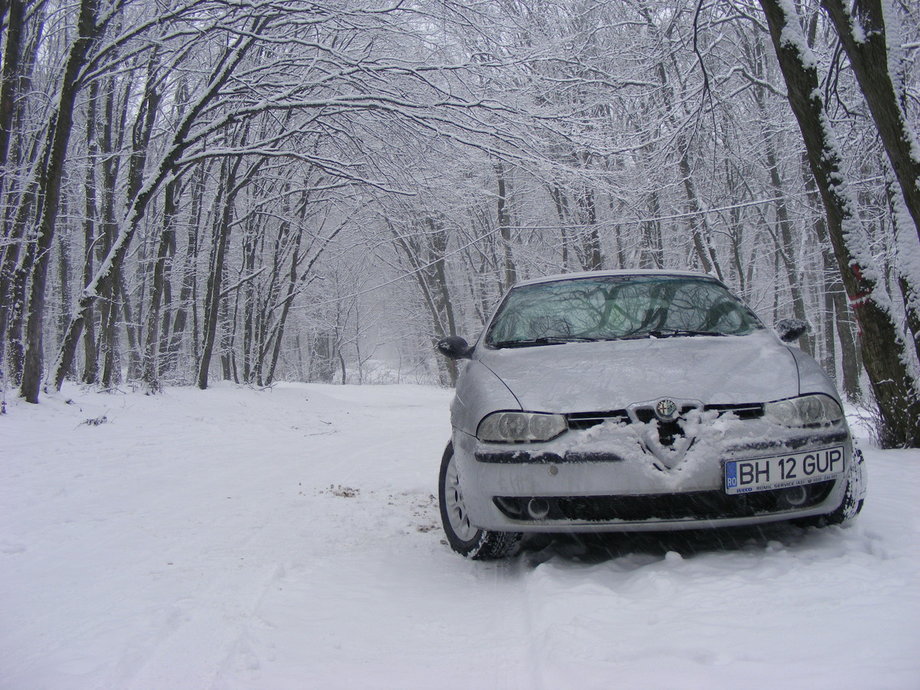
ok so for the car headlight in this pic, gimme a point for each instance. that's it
(804, 411)
(520, 427)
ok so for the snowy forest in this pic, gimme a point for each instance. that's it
(254, 191)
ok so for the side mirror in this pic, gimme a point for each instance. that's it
(454, 347)
(790, 330)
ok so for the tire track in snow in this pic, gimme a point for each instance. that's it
(193, 654)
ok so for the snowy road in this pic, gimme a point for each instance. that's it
(289, 539)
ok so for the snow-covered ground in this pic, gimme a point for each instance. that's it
(289, 538)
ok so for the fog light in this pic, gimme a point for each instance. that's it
(537, 508)
(795, 496)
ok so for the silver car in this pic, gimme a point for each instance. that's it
(638, 401)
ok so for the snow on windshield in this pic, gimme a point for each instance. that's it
(605, 308)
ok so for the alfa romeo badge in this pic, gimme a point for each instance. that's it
(666, 410)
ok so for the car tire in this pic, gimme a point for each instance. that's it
(848, 509)
(464, 538)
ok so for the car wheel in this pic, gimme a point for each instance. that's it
(847, 510)
(462, 536)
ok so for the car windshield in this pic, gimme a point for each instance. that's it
(618, 307)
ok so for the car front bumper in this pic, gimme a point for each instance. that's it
(610, 480)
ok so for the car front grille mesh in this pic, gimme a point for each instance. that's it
(586, 420)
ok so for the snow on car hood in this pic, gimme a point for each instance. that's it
(582, 377)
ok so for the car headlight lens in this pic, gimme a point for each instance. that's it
(804, 411)
(520, 427)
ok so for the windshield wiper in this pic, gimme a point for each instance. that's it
(545, 340)
(674, 332)
(558, 340)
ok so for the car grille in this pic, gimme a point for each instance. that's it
(699, 505)
(744, 411)
(586, 420)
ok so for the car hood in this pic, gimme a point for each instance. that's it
(582, 377)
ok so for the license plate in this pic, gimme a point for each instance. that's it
(781, 471)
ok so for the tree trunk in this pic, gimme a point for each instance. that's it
(293, 279)
(18, 69)
(907, 267)
(593, 260)
(651, 253)
(90, 352)
(560, 200)
(228, 368)
(111, 295)
(108, 334)
(863, 37)
(838, 324)
(699, 227)
(188, 297)
(132, 331)
(59, 130)
(427, 260)
(151, 367)
(63, 249)
(218, 260)
(16, 306)
(222, 229)
(9, 81)
(504, 221)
